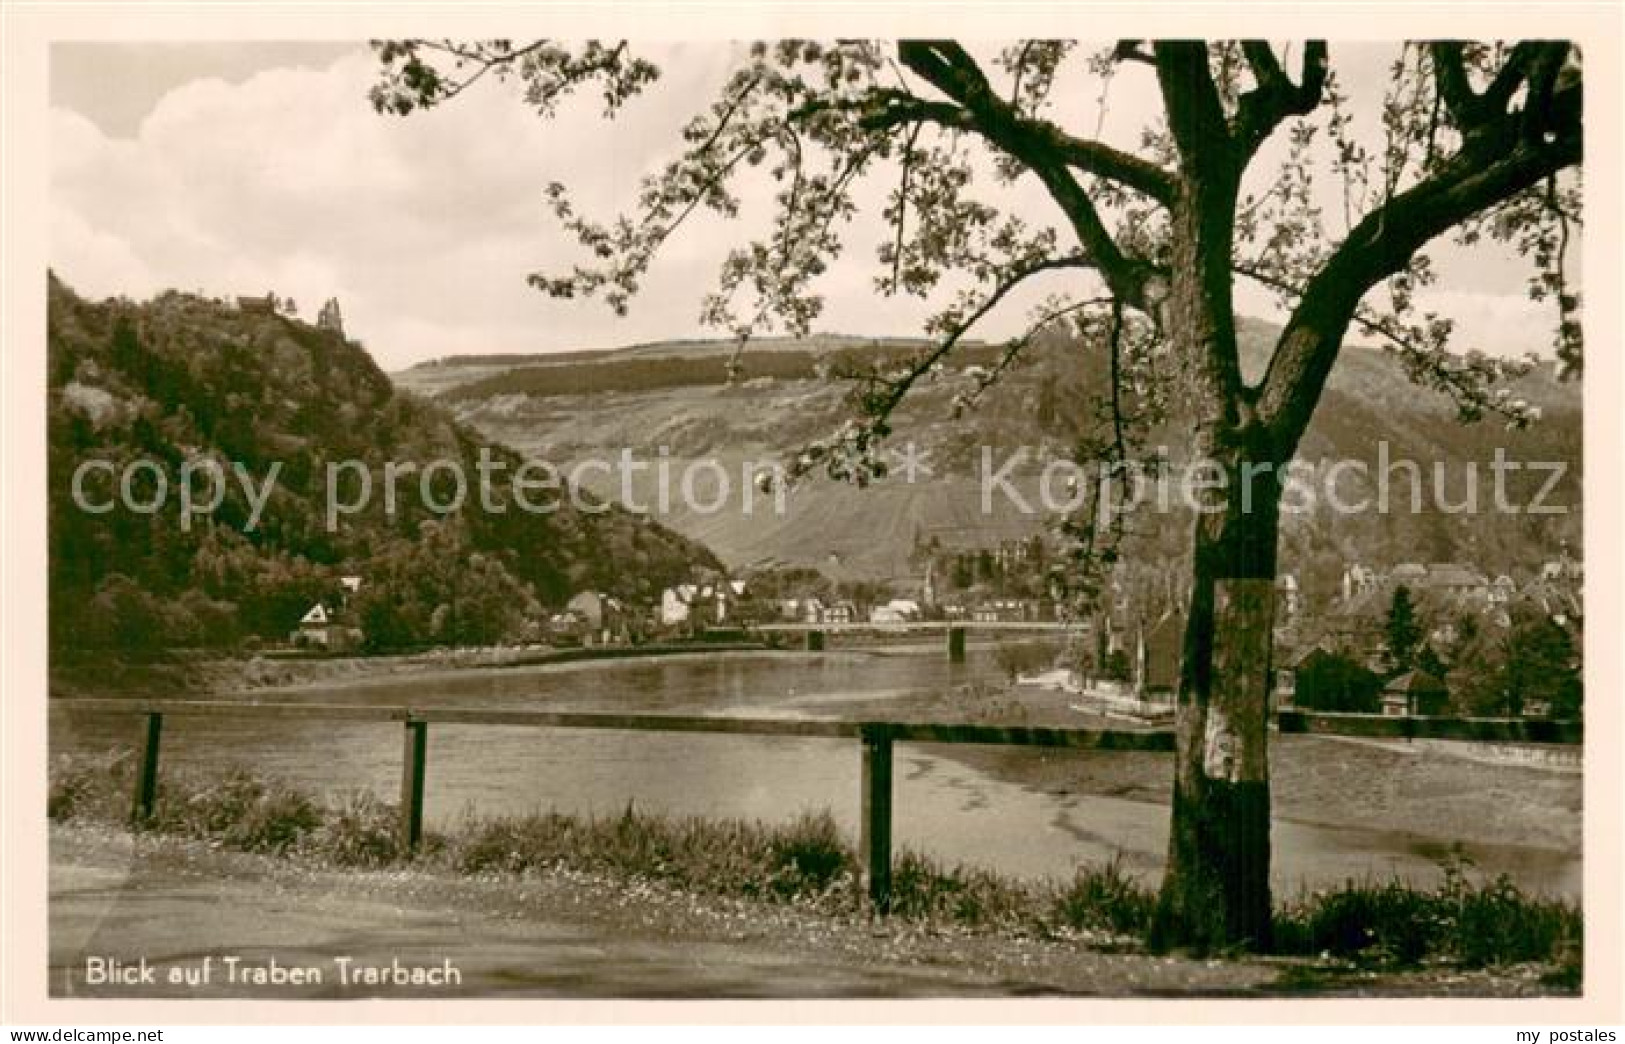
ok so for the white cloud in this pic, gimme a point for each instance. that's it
(289, 181)
(100, 259)
(425, 227)
(1497, 324)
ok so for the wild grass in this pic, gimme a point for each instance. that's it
(803, 858)
(1475, 923)
(808, 861)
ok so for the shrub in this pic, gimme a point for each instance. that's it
(1476, 925)
(809, 855)
(512, 845)
(923, 890)
(237, 809)
(730, 857)
(1383, 924)
(360, 831)
(1105, 898)
(90, 786)
(1496, 923)
(1017, 658)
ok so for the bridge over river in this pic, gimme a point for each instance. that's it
(815, 635)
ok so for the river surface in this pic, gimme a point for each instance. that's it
(994, 812)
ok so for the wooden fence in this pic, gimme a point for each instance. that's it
(876, 739)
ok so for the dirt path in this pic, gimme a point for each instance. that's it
(176, 904)
(179, 905)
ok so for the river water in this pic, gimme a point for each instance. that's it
(996, 812)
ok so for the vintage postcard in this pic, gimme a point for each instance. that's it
(726, 504)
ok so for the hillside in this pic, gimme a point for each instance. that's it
(660, 365)
(592, 405)
(181, 380)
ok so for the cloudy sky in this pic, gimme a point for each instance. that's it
(246, 168)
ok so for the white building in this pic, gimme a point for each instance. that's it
(715, 602)
(677, 604)
(896, 611)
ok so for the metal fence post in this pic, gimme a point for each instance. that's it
(874, 844)
(414, 755)
(146, 780)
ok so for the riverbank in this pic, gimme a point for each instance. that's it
(217, 677)
(189, 674)
(568, 933)
(1424, 795)
(1342, 808)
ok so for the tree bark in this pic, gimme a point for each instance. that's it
(1216, 891)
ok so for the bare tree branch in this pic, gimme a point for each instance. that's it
(1499, 161)
(1471, 111)
(890, 108)
(948, 67)
(1276, 97)
(892, 397)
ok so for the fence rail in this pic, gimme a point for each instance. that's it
(876, 738)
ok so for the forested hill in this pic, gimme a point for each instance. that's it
(182, 379)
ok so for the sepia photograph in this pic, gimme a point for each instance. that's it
(712, 518)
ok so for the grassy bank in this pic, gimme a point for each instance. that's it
(809, 864)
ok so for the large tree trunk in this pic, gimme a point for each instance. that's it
(1216, 892)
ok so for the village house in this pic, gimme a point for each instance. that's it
(1159, 651)
(1358, 580)
(842, 612)
(1441, 591)
(1458, 585)
(1004, 610)
(323, 628)
(592, 617)
(701, 604)
(1288, 598)
(1559, 591)
(896, 611)
(677, 604)
(1288, 668)
(1415, 693)
(1284, 684)
(328, 626)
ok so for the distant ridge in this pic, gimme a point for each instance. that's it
(438, 376)
(684, 404)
